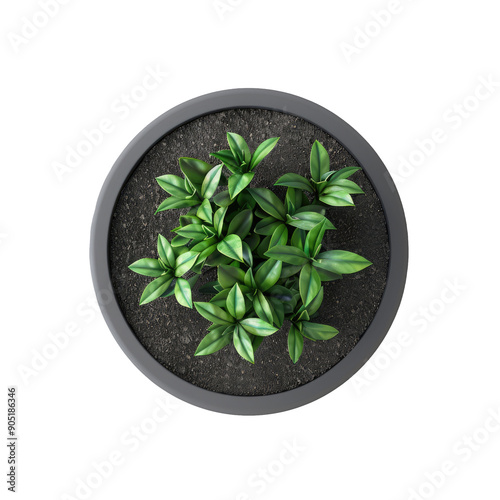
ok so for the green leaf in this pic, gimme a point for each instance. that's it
(209, 231)
(259, 213)
(343, 185)
(185, 262)
(239, 148)
(256, 341)
(213, 327)
(267, 226)
(155, 289)
(147, 267)
(179, 241)
(217, 259)
(205, 254)
(320, 161)
(205, 244)
(326, 275)
(165, 251)
(208, 288)
(257, 326)
(268, 274)
(247, 254)
(198, 267)
(278, 311)
(195, 170)
(245, 200)
(226, 157)
(213, 342)
(327, 175)
(344, 173)
(289, 270)
(173, 185)
(232, 247)
(309, 283)
(249, 279)
(192, 231)
(238, 182)
(185, 220)
(298, 238)
(243, 344)
(279, 236)
(303, 316)
(193, 280)
(222, 199)
(241, 224)
(173, 202)
(320, 209)
(263, 247)
(337, 199)
(307, 220)
(295, 343)
(214, 313)
(235, 302)
(205, 211)
(281, 293)
(262, 307)
(220, 298)
(229, 275)
(269, 202)
(179, 250)
(314, 238)
(342, 262)
(315, 331)
(253, 241)
(262, 151)
(219, 219)
(315, 304)
(320, 186)
(169, 291)
(183, 293)
(290, 255)
(294, 199)
(189, 187)
(295, 181)
(211, 182)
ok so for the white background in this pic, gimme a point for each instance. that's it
(379, 436)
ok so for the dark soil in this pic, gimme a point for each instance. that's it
(171, 332)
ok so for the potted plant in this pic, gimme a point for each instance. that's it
(244, 242)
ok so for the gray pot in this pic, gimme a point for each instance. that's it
(373, 168)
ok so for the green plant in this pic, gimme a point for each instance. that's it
(268, 253)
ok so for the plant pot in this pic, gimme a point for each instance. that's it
(160, 338)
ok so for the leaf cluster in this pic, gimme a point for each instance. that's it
(269, 255)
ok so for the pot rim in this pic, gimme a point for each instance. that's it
(381, 181)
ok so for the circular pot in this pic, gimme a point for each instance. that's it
(388, 278)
